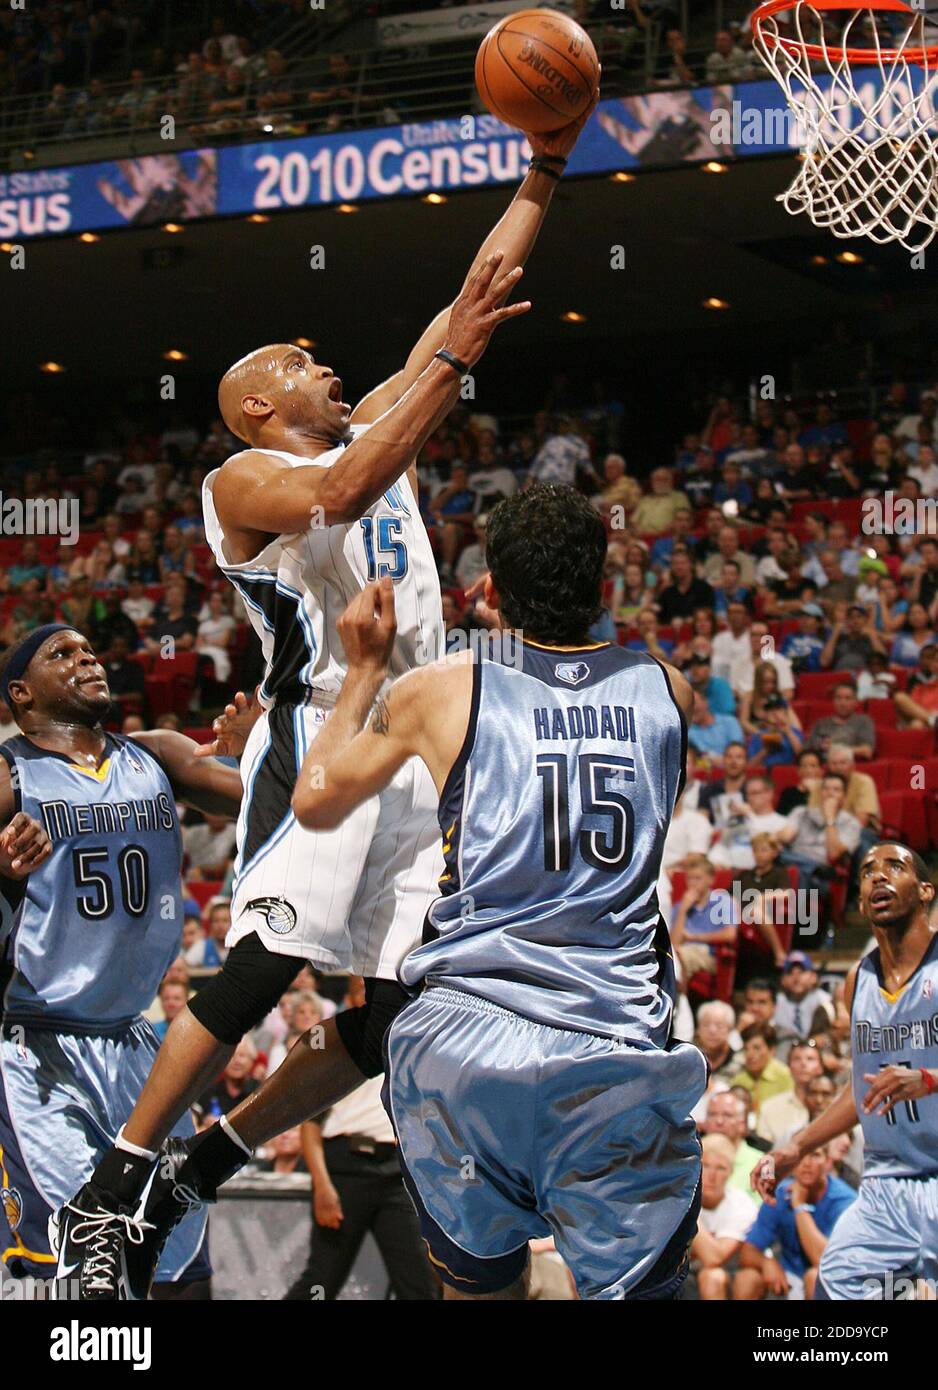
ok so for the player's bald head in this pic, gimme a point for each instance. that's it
(252, 376)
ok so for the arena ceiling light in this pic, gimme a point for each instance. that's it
(173, 227)
(433, 198)
(621, 177)
(571, 316)
(849, 258)
(51, 368)
(257, 217)
(715, 303)
(820, 260)
(347, 207)
(89, 238)
(304, 343)
(176, 355)
(713, 166)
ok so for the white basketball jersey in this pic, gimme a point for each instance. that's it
(298, 586)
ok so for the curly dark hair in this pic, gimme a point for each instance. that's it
(546, 548)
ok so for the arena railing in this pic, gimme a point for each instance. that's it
(388, 86)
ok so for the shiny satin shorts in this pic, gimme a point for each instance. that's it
(511, 1130)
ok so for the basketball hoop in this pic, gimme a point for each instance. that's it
(865, 107)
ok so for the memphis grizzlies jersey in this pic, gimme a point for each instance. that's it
(91, 933)
(298, 587)
(899, 1030)
(554, 818)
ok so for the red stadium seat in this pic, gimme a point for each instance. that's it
(905, 743)
(816, 685)
(882, 713)
(203, 890)
(904, 815)
(784, 775)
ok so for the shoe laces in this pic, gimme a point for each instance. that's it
(97, 1230)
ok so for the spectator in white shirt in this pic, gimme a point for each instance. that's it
(471, 562)
(726, 1215)
(752, 816)
(925, 471)
(563, 456)
(731, 646)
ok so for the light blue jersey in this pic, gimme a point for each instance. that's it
(91, 933)
(554, 819)
(898, 1030)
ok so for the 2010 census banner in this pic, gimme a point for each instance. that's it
(655, 130)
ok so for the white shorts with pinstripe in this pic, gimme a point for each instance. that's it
(351, 899)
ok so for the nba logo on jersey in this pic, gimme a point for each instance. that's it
(926, 989)
(571, 672)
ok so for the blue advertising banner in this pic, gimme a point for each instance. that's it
(657, 130)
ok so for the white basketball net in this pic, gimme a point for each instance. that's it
(870, 158)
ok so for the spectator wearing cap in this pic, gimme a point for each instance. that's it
(845, 725)
(728, 1114)
(878, 683)
(918, 632)
(802, 1008)
(656, 511)
(784, 1115)
(717, 692)
(763, 1075)
(917, 705)
(725, 1217)
(853, 638)
(710, 733)
(685, 592)
(861, 799)
(778, 739)
(804, 647)
(703, 919)
(797, 1226)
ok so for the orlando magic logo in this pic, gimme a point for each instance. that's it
(571, 672)
(279, 915)
(12, 1204)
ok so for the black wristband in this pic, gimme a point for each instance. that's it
(539, 162)
(452, 360)
(552, 158)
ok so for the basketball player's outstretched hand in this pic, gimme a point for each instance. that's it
(368, 628)
(232, 727)
(24, 845)
(476, 314)
(560, 142)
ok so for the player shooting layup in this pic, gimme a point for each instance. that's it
(890, 1234)
(315, 508)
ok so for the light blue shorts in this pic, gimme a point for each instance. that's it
(63, 1097)
(512, 1130)
(885, 1241)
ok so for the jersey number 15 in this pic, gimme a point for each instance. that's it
(609, 850)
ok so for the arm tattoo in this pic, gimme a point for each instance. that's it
(381, 719)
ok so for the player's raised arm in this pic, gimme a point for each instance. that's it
(255, 492)
(203, 783)
(367, 737)
(514, 235)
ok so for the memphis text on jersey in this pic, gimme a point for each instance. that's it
(63, 820)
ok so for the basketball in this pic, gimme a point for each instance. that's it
(536, 70)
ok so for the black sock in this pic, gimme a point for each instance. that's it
(214, 1157)
(122, 1175)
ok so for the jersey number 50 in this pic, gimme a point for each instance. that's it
(609, 850)
(133, 875)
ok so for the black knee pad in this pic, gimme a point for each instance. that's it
(244, 991)
(362, 1030)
